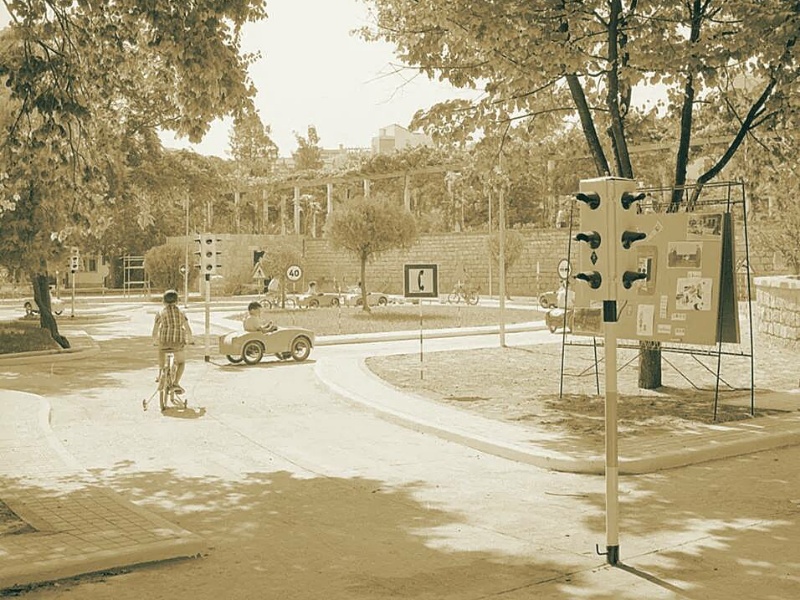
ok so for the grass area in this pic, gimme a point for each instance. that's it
(348, 320)
(24, 336)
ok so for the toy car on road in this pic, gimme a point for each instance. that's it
(318, 299)
(31, 308)
(354, 298)
(282, 342)
(548, 299)
(554, 319)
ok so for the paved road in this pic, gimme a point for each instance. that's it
(304, 495)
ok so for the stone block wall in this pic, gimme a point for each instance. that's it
(462, 256)
(778, 308)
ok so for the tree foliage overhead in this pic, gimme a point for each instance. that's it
(88, 84)
(541, 61)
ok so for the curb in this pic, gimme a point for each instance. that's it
(735, 439)
(177, 543)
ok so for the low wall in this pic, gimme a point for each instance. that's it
(459, 256)
(778, 307)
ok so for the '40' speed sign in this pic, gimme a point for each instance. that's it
(294, 273)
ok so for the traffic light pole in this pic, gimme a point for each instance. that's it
(208, 317)
(612, 450)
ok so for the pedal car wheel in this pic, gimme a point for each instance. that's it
(382, 301)
(301, 348)
(234, 359)
(314, 303)
(252, 352)
(334, 302)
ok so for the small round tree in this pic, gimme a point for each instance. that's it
(163, 266)
(368, 227)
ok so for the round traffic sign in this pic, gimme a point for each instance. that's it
(294, 273)
(564, 269)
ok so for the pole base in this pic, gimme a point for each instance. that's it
(612, 555)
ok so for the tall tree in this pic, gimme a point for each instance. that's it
(88, 85)
(308, 156)
(546, 60)
(251, 146)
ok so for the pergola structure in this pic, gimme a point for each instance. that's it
(267, 187)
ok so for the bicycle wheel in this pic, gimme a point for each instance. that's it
(472, 298)
(453, 298)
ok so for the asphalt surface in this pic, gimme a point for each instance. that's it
(85, 520)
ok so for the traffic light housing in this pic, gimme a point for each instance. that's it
(594, 242)
(608, 263)
(209, 253)
(74, 259)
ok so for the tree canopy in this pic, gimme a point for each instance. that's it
(728, 67)
(88, 85)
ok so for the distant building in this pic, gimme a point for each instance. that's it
(396, 137)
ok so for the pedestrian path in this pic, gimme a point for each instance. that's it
(80, 526)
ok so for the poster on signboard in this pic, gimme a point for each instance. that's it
(689, 294)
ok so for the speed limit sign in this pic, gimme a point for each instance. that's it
(294, 273)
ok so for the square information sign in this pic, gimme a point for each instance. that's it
(421, 281)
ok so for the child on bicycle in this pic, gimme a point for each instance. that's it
(171, 332)
(252, 322)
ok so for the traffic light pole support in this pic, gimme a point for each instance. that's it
(612, 451)
(208, 317)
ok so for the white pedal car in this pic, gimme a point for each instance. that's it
(282, 342)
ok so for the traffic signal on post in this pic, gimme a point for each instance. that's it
(74, 259)
(608, 259)
(209, 253)
(627, 225)
(594, 243)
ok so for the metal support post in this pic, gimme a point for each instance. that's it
(208, 318)
(612, 453)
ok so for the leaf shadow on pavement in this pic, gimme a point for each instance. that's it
(291, 536)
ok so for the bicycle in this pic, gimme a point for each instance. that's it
(166, 385)
(461, 292)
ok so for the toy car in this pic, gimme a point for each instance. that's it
(56, 305)
(554, 319)
(318, 299)
(353, 298)
(548, 299)
(251, 346)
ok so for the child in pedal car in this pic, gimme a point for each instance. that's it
(252, 322)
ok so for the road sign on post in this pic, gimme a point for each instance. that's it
(294, 273)
(421, 281)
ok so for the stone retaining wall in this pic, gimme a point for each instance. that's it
(778, 308)
(459, 256)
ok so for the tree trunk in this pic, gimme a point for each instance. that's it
(362, 285)
(41, 295)
(649, 365)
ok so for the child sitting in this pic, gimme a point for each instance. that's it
(252, 321)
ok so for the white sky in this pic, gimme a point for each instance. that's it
(312, 71)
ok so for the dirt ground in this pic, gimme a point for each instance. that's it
(523, 384)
